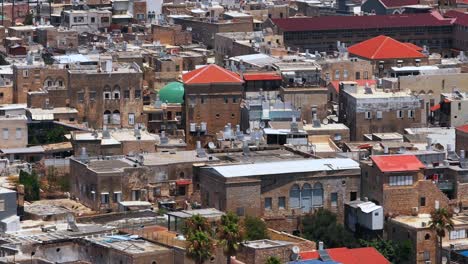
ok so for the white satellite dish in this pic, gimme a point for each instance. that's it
(211, 145)
(296, 250)
(247, 131)
(325, 121)
(262, 124)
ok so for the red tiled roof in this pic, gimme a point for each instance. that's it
(396, 163)
(463, 128)
(360, 22)
(368, 255)
(211, 74)
(460, 18)
(309, 255)
(383, 47)
(411, 45)
(263, 76)
(397, 3)
(336, 84)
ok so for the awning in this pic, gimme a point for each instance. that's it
(183, 182)
(435, 108)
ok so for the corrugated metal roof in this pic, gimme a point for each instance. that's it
(282, 167)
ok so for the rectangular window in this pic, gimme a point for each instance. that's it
(399, 114)
(400, 180)
(368, 115)
(93, 20)
(353, 196)
(337, 75)
(457, 234)
(268, 202)
(379, 114)
(334, 199)
(137, 94)
(358, 75)
(107, 95)
(422, 201)
(117, 197)
(127, 94)
(225, 99)
(104, 198)
(92, 96)
(135, 195)
(2, 205)
(366, 75)
(234, 99)
(202, 100)
(131, 119)
(282, 202)
(80, 97)
(5, 133)
(19, 133)
(345, 74)
(25, 73)
(240, 211)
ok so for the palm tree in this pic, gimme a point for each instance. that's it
(230, 235)
(200, 247)
(441, 220)
(199, 236)
(273, 260)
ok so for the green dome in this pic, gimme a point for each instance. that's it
(173, 92)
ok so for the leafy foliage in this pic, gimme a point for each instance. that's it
(323, 226)
(230, 234)
(255, 228)
(273, 260)
(199, 237)
(441, 221)
(31, 185)
(395, 252)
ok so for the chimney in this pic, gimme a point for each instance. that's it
(84, 155)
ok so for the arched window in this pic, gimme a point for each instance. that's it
(116, 117)
(294, 196)
(48, 83)
(107, 117)
(317, 195)
(116, 92)
(59, 83)
(306, 198)
(107, 93)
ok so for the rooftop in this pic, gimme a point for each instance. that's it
(128, 244)
(211, 74)
(383, 47)
(397, 163)
(398, 3)
(361, 22)
(463, 128)
(283, 167)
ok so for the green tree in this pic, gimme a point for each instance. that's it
(31, 185)
(200, 242)
(322, 226)
(273, 260)
(441, 221)
(255, 228)
(395, 252)
(3, 61)
(56, 135)
(230, 235)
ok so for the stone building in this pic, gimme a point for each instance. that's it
(366, 110)
(461, 138)
(89, 20)
(58, 38)
(171, 35)
(345, 69)
(452, 111)
(281, 191)
(399, 184)
(102, 183)
(205, 30)
(322, 33)
(385, 52)
(213, 98)
(14, 131)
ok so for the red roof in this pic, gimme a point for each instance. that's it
(360, 22)
(396, 163)
(263, 76)
(367, 255)
(411, 45)
(183, 182)
(211, 74)
(336, 84)
(463, 128)
(435, 108)
(397, 3)
(383, 47)
(460, 17)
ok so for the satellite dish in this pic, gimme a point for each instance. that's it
(296, 250)
(325, 121)
(247, 131)
(262, 124)
(211, 145)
